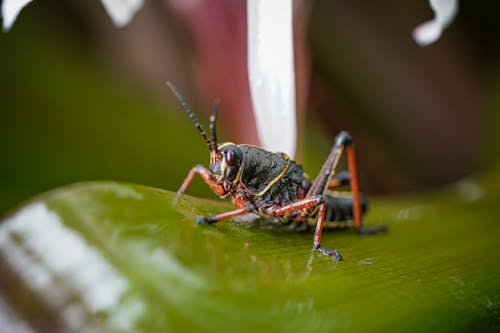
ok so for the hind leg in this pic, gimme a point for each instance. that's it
(343, 179)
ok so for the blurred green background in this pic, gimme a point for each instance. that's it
(83, 100)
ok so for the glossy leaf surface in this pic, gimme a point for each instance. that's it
(111, 256)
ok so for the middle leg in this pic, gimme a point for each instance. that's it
(307, 204)
(320, 186)
(224, 216)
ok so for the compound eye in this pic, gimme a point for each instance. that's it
(230, 158)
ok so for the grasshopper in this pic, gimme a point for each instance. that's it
(273, 185)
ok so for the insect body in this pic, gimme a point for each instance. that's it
(273, 185)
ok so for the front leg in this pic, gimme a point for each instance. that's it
(199, 169)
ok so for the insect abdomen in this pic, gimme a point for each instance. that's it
(339, 206)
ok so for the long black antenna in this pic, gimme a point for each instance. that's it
(210, 143)
(213, 121)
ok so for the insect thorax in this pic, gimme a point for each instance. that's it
(272, 178)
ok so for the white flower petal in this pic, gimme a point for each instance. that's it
(10, 10)
(122, 11)
(271, 73)
(430, 31)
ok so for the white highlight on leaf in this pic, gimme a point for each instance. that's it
(10, 10)
(170, 265)
(122, 11)
(63, 252)
(57, 263)
(430, 31)
(271, 73)
(124, 192)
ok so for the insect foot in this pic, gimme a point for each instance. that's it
(372, 230)
(204, 220)
(331, 253)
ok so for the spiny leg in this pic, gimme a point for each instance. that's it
(358, 223)
(217, 188)
(340, 180)
(344, 140)
(273, 211)
(353, 171)
(320, 185)
(317, 235)
(308, 203)
(328, 168)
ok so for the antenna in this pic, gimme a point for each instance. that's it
(211, 145)
(213, 121)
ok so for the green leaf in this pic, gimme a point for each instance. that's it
(120, 257)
